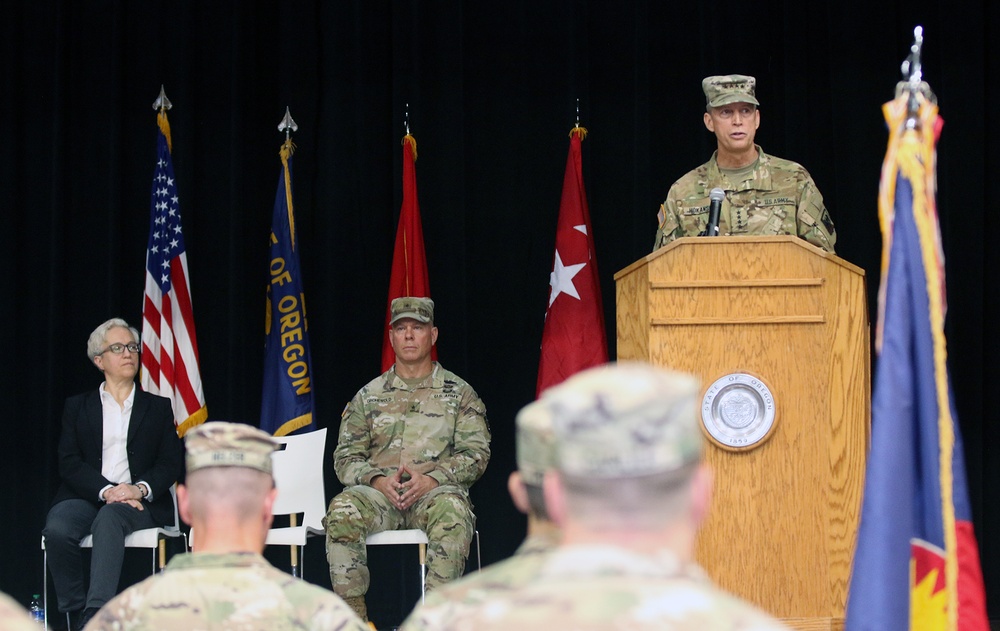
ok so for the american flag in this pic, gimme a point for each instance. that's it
(169, 347)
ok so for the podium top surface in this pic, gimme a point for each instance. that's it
(709, 242)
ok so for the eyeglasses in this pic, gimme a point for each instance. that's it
(118, 349)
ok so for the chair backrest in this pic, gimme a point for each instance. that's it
(177, 520)
(298, 474)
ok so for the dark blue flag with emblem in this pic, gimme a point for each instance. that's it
(916, 564)
(287, 403)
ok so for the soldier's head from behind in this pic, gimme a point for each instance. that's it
(535, 455)
(628, 451)
(229, 485)
(731, 112)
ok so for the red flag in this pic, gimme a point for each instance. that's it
(409, 262)
(574, 337)
(169, 347)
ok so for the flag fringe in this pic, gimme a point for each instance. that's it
(915, 160)
(296, 423)
(911, 154)
(410, 140)
(197, 418)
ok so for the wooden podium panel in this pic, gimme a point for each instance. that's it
(785, 512)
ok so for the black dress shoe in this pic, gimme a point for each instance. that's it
(81, 618)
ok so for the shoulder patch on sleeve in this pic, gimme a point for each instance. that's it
(827, 221)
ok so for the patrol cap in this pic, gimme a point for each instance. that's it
(219, 444)
(625, 420)
(535, 443)
(420, 309)
(730, 88)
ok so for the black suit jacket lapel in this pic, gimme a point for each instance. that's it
(140, 404)
(94, 430)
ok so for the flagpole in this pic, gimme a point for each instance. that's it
(916, 556)
(288, 125)
(162, 102)
(169, 354)
(573, 336)
(408, 273)
(161, 105)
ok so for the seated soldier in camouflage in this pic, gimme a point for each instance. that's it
(765, 195)
(411, 444)
(629, 491)
(226, 583)
(535, 456)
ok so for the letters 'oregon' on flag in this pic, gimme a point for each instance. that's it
(409, 262)
(287, 402)
(916, 564)
(169, 347)
(574, 337)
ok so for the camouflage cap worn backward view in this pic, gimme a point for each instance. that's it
(625, 420)
(420, 309)
(535, 442)
(726, 89)
(219, 444)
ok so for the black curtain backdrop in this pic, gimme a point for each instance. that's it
(491, 90)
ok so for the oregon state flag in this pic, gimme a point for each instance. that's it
(287, 401)
(916, 564)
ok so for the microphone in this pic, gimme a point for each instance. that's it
(716, 195)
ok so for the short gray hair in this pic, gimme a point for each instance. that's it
(644, 503)
(98, 340)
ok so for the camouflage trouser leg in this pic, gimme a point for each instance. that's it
(445, 514)
(352, 516)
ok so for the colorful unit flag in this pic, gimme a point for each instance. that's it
(409, 262)
(916, 565)
(287, 403)
(169, 347)
(574, 337)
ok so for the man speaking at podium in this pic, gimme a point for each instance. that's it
(764, 195)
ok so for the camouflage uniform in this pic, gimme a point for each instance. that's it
(779, 197)
(448, 602)
(622, 426)
(535, 448)
(224, 591)
(437, 428)
(599, 587)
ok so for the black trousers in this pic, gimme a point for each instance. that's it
(67, 524)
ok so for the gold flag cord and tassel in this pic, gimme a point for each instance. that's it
(410, 140)
(286, 151)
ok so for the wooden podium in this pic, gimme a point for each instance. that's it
(794, 318)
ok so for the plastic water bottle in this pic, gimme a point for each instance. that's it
(36, 610)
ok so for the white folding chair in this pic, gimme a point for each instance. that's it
(298, 474)
(418, 537)
(150, 538)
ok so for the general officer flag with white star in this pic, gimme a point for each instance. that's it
(574, 337)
